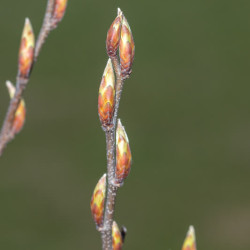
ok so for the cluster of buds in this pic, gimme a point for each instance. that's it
(120, 36)
(190, 242)
(20, 114)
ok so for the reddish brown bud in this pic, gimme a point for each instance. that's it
(126, 49)
(26, 51)
(190, 242)
(116, 237)
(123, 154)
(114, 34)
(106, 99)
(97, 202)
(58, 12)
(20, 114)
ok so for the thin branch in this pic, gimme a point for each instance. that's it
(46, 28)
(111, 164)
(111, 191)
(6, 134)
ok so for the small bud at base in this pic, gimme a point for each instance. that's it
(116, 237)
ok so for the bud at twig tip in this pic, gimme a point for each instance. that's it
(114, 35)
(119, 12)
(190, 241)
(26, 51)
(126, 49)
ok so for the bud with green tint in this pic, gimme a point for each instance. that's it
(126, 49)
(106, 99)
(113, 36)
(20, 114)
(123, 154)
(97, 202)
(26, 51)
(190, 242)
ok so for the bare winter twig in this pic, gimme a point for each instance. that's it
(28, 54)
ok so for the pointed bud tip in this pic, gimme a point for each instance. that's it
(190, 240)
(26, 51)
(121, 130)
(119, 12)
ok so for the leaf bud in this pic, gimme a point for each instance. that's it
(106, 99)
(123, 154)
(97, 202)
(20, 114)
(26, 51)
(58, 11)
(190, 242)
(126, 49)
(116, 237)
(113, 35)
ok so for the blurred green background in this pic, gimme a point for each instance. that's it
(185, 109)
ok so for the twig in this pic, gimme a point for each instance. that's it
(117, 144)
(111, 163)
(6, 134)
(46, 28)
(111, 191)
(51, 18)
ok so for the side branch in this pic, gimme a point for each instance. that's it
(46, 28)
(6, 134)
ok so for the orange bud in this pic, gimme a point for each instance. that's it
(190, 242)
(97, 201)
(106, 99)
(116, 237)
(114, 34)
(123, 154)
(26, 51)
(20, 114)
(126, 49)
(59, 11)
